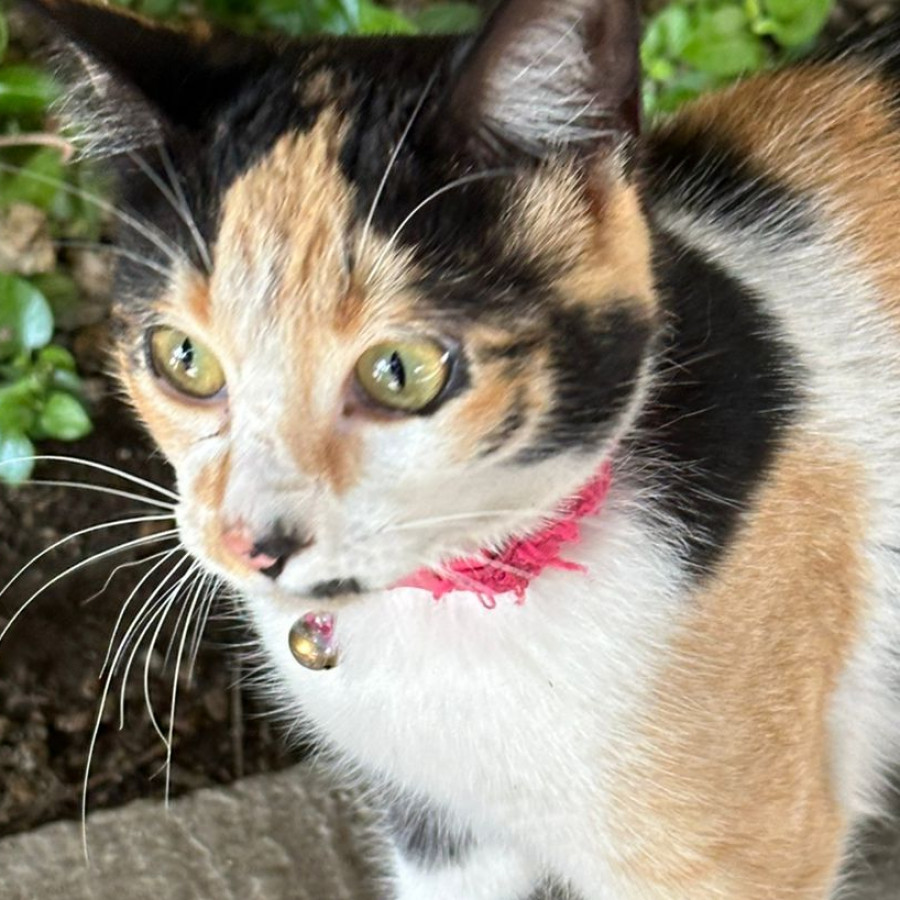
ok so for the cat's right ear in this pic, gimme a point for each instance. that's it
(550, 76)
(131, 82)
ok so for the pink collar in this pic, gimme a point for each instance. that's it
(510, 570)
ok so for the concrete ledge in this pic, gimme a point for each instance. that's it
(288, 835)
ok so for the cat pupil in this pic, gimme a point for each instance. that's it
(184, 356)
(397, 371)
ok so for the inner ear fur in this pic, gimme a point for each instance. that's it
(551, 75)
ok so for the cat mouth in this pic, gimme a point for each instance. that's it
(335, 587)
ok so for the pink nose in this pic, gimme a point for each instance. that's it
(239, 543)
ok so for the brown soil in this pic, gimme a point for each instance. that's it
(51, 659)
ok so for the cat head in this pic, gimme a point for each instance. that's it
(383, 302)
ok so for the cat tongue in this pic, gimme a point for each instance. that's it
(510, 570)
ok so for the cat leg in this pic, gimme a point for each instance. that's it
(434, 861)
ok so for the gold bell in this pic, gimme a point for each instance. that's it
(312, 642)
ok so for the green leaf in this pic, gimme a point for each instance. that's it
(16, 452)
(287, 16)
(667, 34)
(81, 215)
(796, 22)
(64, 418)
(683, 87)
(374, 19)
(59, 290)
(159, 9)
(723, 44)
(352, 11)
(24, 89)
(4, 35)
(38, 182)
(448, 18)
(17, 408)
(66, 381)
(56, 358)
(26, 322)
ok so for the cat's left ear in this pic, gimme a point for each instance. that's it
(132, 82)
(551, 75)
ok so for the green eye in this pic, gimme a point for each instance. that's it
(185, 363)
(404, 375)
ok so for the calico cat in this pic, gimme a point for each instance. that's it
(425, 318)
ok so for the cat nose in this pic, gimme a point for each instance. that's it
(269, 554)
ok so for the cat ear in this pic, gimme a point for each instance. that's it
(131, 81)
(551, 74)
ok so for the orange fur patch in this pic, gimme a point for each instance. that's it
(168, 431)
(197, 300)
(208, 494)
(288, 215)
(499, 388)
(600, 231)
(733, 797)
(295, 206)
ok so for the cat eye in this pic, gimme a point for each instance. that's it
(407, 376)
(185, 363)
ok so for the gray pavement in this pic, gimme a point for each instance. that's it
(286, 836)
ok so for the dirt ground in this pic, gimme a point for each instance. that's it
(51, 660)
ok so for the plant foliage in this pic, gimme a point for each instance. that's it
(41, 394)
(692, 46)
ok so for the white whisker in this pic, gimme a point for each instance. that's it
(120, 252)
(202, 246)
(465, 583)
(40, 139)
(82, 563)
(458, 182)
(210, 585)
(146, 577)
(91, 464)
(170, 600)
(393, 159)
(458, 517)
(195, 589)
(138, 628)
(86, 486)
(178, 204)
(506, 567)
(92, 746)
(156, 616)
(144, 229)
(119, 568)
(178, 659)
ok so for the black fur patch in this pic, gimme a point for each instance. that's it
(728, 389)
(512, 423)
(703, 174)
(595, 360)
(421, 834)
(552, 890)
(877, 46)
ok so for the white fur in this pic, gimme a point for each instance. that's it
(485, 873)
(513, 719)
(542, 91)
